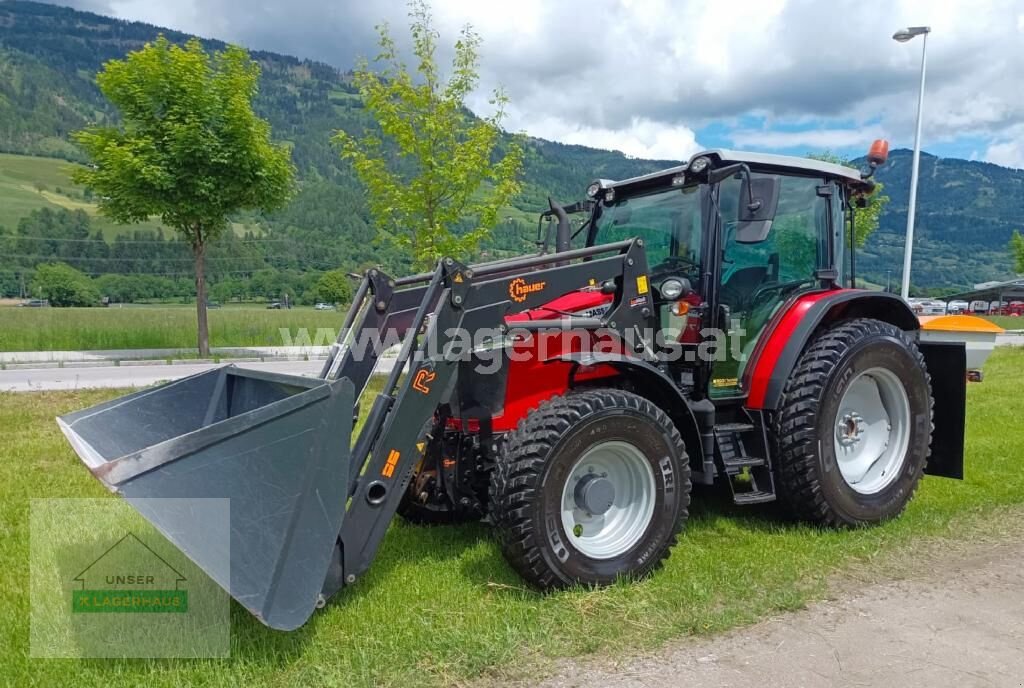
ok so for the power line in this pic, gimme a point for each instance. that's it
(128, 240)
(155, 259)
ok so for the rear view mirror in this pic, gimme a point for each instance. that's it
(758, 202)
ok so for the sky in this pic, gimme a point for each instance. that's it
(665, 78)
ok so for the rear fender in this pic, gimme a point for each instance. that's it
(650, 383)
(792, 328)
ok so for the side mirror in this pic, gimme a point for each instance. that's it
(758, 203)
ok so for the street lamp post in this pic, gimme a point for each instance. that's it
(902, 36)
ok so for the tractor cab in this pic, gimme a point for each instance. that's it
(730, 237)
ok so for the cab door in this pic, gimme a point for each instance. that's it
(757, 277)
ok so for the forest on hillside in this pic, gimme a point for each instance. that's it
(49, 56)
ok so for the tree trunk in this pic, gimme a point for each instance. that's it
(199, 250)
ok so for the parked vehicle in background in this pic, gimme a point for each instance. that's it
(323, 307)
(275, 305)
(927, 306)
(1015, 309)
(978, 307)
(35, 303)
(997, 308)
(957, 307)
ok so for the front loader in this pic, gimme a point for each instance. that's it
(700, 333)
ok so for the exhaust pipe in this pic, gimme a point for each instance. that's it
(562, 233)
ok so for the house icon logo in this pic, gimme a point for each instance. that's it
(129, 577)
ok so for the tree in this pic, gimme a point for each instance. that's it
(334, 286)
(1017, 251)
(441, 166)
(62, 285)
(189, 148)
(865, 220)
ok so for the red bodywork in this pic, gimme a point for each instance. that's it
(777, 336)
(535, 375)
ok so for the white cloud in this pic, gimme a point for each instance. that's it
(644, 74)
(812, 139)
(1009, 151)
(642, 138)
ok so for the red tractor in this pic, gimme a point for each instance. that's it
(695, 328)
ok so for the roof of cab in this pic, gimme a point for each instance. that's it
(787, 162)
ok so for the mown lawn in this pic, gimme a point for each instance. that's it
(440, 605)
(157, 327)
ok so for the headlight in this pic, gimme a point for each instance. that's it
(699, 165)
(671, 289)
(593, 190)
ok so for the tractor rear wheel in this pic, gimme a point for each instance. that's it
(854, 427)
(591, 487)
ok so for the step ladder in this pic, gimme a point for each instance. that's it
(741, 456)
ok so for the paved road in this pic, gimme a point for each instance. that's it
(961, 624)
(128, 376)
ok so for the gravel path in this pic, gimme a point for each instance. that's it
(960, 623)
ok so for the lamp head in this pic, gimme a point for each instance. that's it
(904, 35)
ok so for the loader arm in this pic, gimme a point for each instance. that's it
(430, 311)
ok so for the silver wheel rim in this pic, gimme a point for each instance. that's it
(872, 431)
(608, 500)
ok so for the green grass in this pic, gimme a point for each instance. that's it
(61, 329)
(439, 605)
(1007, 322)
(28, 183)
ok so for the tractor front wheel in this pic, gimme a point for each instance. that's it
(854, 427)
(591, 487)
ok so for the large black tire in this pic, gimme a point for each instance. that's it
(535, 463)
(809, 480)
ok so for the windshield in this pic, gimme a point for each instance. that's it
(669, 222)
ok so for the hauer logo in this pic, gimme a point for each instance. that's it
(519, 289)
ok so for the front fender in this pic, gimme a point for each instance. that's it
(651, 383)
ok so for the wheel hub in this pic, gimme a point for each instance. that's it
(872, 430)
(850, 429)
(608, 499)
(594, 494)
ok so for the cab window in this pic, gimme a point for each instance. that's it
(668, 221)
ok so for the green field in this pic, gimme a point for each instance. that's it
(1006, 322)
(440, 606)
(28, 183)
(158, 327)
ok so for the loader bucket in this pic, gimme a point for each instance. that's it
(276, 446)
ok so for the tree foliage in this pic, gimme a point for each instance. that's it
(866, 219)
(1017, 251)
(62, 285)
(334, 286)
(189, 148)
(431, 166)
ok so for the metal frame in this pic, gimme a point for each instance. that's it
(454, 296)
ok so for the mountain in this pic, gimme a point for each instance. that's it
(49, 56)
(966, 212)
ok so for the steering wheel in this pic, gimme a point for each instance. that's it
(685, 260)
(760, 293)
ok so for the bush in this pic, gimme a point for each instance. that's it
(334, 286)
(62, 285)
